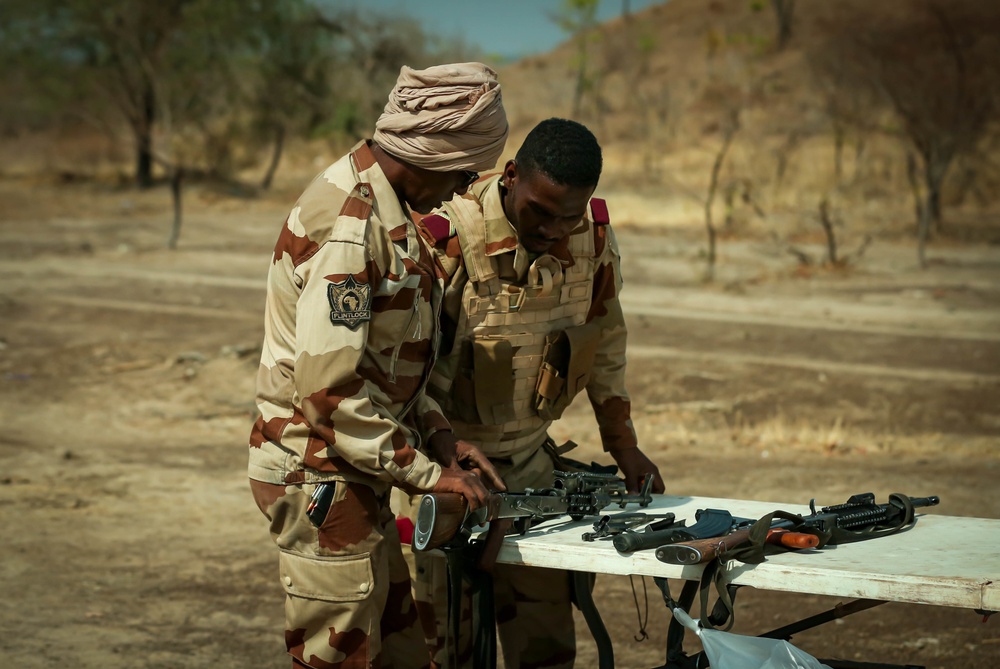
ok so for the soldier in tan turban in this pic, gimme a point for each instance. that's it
(350, 337)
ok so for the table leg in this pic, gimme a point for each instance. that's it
(678, 659)
(838, 611)
(585, 600)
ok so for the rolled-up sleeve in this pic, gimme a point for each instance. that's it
(606, 389)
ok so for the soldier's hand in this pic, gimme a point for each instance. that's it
(635, 465)
(449, 451)
(466, 483)
(471, 458)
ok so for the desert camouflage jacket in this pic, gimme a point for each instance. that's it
(350, 334)
(606, 385)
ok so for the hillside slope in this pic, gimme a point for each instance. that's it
(666, 84)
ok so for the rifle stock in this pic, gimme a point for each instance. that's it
(704, 550)
(701, 550)
(440, 517)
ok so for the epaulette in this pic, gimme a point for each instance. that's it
(599, 211)
(439, 227)
(359, 202)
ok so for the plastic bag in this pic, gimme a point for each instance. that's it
(725, 650)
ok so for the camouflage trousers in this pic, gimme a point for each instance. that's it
(348, 601)
(533, 606)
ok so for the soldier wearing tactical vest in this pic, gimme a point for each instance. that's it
(531, 317)
(350, 335)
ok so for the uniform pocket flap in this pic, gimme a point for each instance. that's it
(550, 384)
(343, 579)
(493, 376)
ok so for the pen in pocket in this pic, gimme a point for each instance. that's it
(319, 503)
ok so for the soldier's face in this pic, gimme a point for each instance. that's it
(542, 211)
(427, 190)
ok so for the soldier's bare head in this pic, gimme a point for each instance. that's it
(550, 181)
(565, 151)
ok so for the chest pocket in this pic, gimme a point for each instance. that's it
(483, 386)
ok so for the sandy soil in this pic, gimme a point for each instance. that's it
(129, 536)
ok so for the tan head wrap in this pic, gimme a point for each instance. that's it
(444, 118)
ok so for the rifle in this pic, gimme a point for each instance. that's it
(443, 518)
(857, 519)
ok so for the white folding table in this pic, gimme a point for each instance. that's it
(940, 560)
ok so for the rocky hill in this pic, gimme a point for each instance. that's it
(675, 88)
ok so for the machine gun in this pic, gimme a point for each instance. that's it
(857, 519)
(445, 517)
(445, 521)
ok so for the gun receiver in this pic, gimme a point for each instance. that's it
(441, 517)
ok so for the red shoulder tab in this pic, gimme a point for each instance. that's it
(599, 211)
(438, 226)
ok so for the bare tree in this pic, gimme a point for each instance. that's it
(291, 90)
(784, 12)
(176, 192)
(732, 87)
(730, 126)
(726, 102)
(578, 18)
(848, 109)
(937, 67)
(130, 62)
(921, 213)
(831, 237)
(120, 49)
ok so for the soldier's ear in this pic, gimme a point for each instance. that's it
(509, 173)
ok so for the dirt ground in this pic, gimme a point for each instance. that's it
(129, 535)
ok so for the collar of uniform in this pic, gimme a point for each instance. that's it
(501, 237)
(386, 204)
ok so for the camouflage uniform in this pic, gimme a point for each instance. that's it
(502, 310)
(350, 274)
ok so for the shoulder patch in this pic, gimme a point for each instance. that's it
(439, 227)
(350, 302)
(599, 211)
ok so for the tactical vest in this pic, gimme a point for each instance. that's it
(510, 334)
